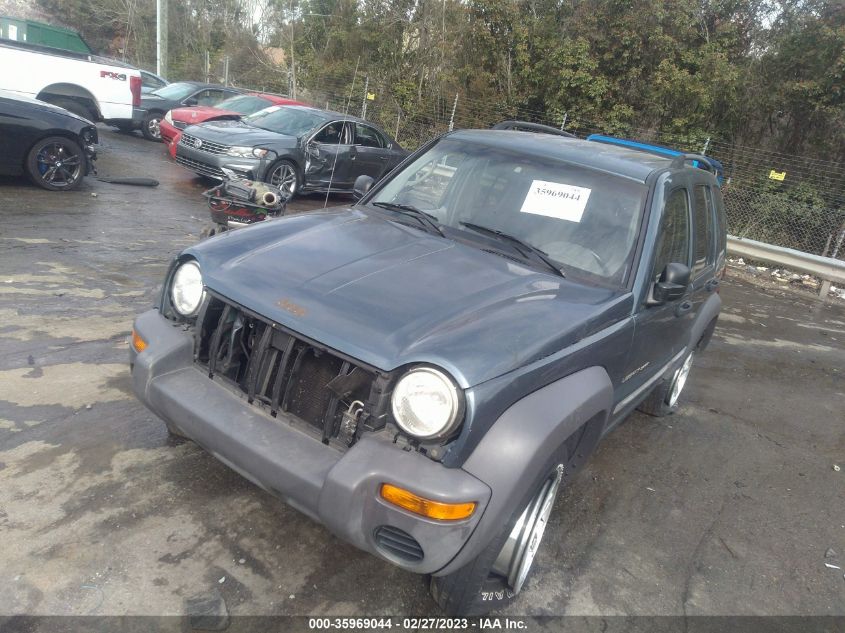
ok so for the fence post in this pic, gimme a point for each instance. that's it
(398, 116)
(706, 145)
(364, 105)
(207, 68)
(563, 123)
(452, 118)
(226, 70)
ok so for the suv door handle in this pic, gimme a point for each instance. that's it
(683, 307)
(711, 285)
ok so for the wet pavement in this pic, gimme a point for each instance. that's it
(727, 507)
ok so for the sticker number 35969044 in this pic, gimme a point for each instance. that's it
(556, 200)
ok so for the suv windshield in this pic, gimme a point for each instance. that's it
(284, 120)
(244, 104)
(175, 91)
(584, 219)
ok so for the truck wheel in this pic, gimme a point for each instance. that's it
(499, 572)
(56, 163)
(78, 108)
(663, 400)
(149, 126)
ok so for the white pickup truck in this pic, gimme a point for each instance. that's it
(93, 87)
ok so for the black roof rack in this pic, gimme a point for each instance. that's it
(527, 126)
(703, 162)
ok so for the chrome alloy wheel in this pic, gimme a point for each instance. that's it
(284, 177)
(153, 126)
(679, 380)
(517, 555)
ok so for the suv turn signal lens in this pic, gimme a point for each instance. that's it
(426, 507)
(138, 344)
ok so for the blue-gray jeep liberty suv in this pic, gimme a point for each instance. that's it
(422, 370)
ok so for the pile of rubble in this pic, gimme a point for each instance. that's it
(783, 276)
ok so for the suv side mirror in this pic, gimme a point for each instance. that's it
(672, 284)
(190, 101)
(363, 184)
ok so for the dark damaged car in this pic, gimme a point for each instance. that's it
(420, 372)
(294, 148)
(53, 146)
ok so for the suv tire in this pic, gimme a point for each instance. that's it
(663, 400)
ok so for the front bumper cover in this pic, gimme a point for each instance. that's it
(338, 489)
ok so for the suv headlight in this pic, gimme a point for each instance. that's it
(426, 403)
(186, 289)
(247, 152)
(168, 117)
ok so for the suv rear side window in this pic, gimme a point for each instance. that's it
(703, 216)
(674, 238)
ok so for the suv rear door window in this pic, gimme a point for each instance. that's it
(673, 242)
(703, 217)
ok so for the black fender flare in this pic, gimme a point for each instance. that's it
(525, 440)
(705, 321)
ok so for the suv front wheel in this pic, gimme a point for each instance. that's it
(499, 572)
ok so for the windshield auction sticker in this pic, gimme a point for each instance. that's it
(556, 200)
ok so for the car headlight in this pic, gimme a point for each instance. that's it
(186, 289)
(168, 117)
(247, 152)
(426, 403)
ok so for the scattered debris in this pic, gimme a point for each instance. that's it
(207, 612)
(89, 406)
(242, 561)
(292, 596)
(836, 467)
(650, 489)
(832, 566)
(222, 580)
(93, 194)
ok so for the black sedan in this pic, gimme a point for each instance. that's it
(51, 145)
(182, 93)
(295, 148)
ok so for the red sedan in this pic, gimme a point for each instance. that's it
(175, 121)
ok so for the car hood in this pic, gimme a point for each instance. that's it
(230, 132)
(198, 114)
(390, 295)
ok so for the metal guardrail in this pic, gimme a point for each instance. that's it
(826, 268)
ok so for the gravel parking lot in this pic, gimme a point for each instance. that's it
(728, 507)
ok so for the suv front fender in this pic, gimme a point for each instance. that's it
(527, 440)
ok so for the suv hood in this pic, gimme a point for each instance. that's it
(229, 132)
(389, 294)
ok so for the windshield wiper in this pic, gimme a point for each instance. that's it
(522, 247)
(424, 218)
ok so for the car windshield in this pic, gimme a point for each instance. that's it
(285, 120)
(584, 219)
(175, 91)
(244, 104)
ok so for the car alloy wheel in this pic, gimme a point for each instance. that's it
(153, 127)
(517, 555)
(59, 164)
(284, 177)
(679, 380)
